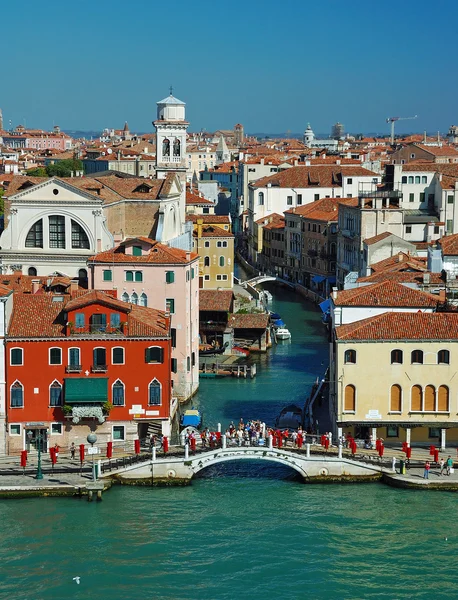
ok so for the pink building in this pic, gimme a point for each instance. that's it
(148, 273)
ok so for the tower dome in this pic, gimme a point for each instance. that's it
(309, 136)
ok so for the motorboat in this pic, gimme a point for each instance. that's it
(289, 418)
(191, 418)
(283, 334)
(278, 323)
(274, 316)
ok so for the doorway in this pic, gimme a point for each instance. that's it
(39, 439)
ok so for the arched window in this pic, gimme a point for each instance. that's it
(138, 275)
(176, 147)
(417, 357)
(443, 357)
(166, 147)
(125, 297)
(396, 357)
(143, 300)
(17, 395)
(82, 278)
(154, 354)
(55, 394)
(134, 298)
(34, 238)
(206, 261)
(416, 398)
(442, 399)
(396, 398)
(129, 275)
(430, 398)
(32, 272)
(79, 237)
(155, 393)
(350, 357)
(118, 393)
(221, 261)
(350, 399)
(261, 198)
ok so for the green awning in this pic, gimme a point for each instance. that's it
(86, 389)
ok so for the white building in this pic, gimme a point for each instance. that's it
(311, 142)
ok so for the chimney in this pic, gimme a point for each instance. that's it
(400, 257)
(74, 285)
(334, 293)
(35, 285)
(188, 256)
(442, 296)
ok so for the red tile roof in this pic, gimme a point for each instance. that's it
(248, 321)
(217, 300)
(385, 293)
(449, 245)
(158, 254)
(377, 238)
(213, 231)
(403, 277)
(210, 219)
(401, 261)
(304, 177)
(402, 326)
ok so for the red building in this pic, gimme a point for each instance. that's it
(83, 362)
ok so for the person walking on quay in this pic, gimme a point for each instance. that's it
(442, 466)
(449, 465)
(72, 451)
(426, 471)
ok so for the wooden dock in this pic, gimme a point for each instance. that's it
(216, 369)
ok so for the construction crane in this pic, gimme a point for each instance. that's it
(393, 120)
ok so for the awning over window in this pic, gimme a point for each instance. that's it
(325, 305)
(86, 389)
(318, 278)
(332, 280)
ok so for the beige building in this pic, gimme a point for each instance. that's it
(215, 247)
(394, 377)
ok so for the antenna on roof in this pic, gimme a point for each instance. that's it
(171, 90)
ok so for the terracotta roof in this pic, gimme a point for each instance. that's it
(213, 231)
(402, 277)
(158, 254)
(195, 199)
(402, 326)
(209, 219)
(305, 177)
(40, 315)
(400, 261)
(385, 293)
(449, 245)
(439, 150)
(23, 283)
(218, 300)
(377, 238)
(248, 321)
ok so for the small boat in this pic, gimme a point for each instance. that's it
(289, 418)
(191, 418)
(278, 323)
(210, 351)
(274, 315)
(283, 334)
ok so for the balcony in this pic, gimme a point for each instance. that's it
(73, 369)
(99, 368)
(98, 329)
(380, 194)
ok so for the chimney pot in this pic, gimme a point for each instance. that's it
(35, 285)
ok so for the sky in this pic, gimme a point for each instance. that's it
(272, 66)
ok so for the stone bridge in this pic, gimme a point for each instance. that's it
(180, 470)
(264, 278)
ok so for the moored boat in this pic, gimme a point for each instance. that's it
(289, 418)
(191, 418)
(282, 333)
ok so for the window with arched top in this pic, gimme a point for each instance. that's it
(417, 357)
(125, 297)
(430, 398)
(443, 357)
(34, 238)
(443, 399)
(143, 300)
(416, 398)
(155, 393)
(261, 198)
(221, 261)
(396, 398)
(154, 354)
(350, 399)
(396, 357)
(17, 395)
(350, 357)
(118, 393)
(134, 298)
(32, 272)
(55, 394)
(79, 237)
(206, 261)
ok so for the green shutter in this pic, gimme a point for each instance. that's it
(138, 276)
(137, 250)
(170, 276)
(129, 276)
(147, 355)
(174, 365)
(107, 275)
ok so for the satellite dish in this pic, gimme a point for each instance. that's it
(109, 151)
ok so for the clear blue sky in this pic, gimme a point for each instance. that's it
(270, 65)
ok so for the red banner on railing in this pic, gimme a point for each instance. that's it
(109, 449)
(24, 458)
(81, 453)
(137, 446)
(165, 444)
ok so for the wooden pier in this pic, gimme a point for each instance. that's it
(222, 369)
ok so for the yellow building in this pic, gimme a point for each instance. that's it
(215, 247)
(393, 376)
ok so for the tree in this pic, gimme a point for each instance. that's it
(61, 168)
(38, 172)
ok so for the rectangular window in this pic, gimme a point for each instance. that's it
(170, 305)
(74, 357)
(100, 357)
(207, 244)
(218, 244)
(174, 365)
(449, 225)
(170, 276)
(349, 180)
(56, 231)
(299, 198)
(117, 357)
(422, 196)
(192, 273)
(173, 335)
(417, 178)
(115, 320)
(154, 354)
(56, 428)
(136, 250)
(411, 197)
(138, 276)
(392, 431)
(55, 356)
(193, 358)
(434, 432)
(207, 277)
(449, 199)
(188, 363)
(15, 429)
(289, 200)
(107, 275)
(404, 179)
(129, 275)
(408, 228)
(424, 179)
(118, 432)
(16, 356)
(79, 320)
(316, 197)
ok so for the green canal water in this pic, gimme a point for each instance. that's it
(242, 531)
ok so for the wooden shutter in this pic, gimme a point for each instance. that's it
(416, 403)
(395, 404)
(442, 398)
(430, 398)
(350, 398)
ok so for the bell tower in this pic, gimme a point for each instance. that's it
(171, 128)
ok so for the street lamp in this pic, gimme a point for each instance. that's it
(38, 439)
(92, 438)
